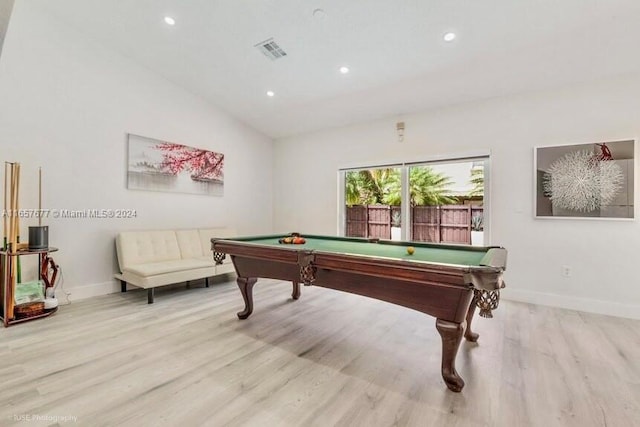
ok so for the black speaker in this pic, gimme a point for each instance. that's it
(39, 237)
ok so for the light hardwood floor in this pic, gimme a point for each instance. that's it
(327, 359)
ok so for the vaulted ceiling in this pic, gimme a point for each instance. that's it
(5, 13)
(397, 58)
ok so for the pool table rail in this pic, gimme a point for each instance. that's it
(487, 276)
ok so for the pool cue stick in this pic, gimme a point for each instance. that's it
(40, 196)
(5, 217)
(3, 263)
(18, 263)
(7, 265)
(14, 235)
(12, 245)
(9, 284)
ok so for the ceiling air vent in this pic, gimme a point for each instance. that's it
(271, 49)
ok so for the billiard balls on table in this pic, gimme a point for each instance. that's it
(296, 240)
(410, 250)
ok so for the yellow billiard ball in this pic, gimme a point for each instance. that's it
(410, 250)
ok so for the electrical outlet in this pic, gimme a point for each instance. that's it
(566, 271)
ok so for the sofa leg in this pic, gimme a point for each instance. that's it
(150, 295)
(188, 284)
(206, 282)
(123, 286)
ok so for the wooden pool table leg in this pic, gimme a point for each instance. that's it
(451, 334)
(296, 290)
(246, 288)
(468, 333)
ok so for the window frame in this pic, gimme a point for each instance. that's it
(404, 166)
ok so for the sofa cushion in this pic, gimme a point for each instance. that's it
(167, 278)
(189, 243)
(140, 247)
(164, 267)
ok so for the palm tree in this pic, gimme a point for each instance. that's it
(426, 188)
(367, 187)
(352, 191)
(477, 180)
(383, 186)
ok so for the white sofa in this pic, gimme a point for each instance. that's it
(148, 259)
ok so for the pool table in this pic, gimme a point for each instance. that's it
(444, 281)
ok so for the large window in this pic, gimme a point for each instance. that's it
(373, 202)
(444, 201)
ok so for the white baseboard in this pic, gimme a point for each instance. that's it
(588, 305)
(92, 290)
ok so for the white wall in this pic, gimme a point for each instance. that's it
(67, 103)
(603, 255)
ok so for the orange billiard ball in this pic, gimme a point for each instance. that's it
(410, 250)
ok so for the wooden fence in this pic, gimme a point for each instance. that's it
(446, 224)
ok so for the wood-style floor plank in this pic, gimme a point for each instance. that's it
(327, 359)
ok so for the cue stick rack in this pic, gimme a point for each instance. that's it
(11, 251)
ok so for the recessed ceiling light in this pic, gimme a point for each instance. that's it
(449, 37)
(169, 20)
(270, 93)
(344, 70)
(319, 14)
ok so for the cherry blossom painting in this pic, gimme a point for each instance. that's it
(155, 165)
(593, 180)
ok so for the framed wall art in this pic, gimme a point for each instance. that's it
(592, 180)
(155, 165)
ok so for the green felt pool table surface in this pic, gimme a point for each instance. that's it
(463, 255)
